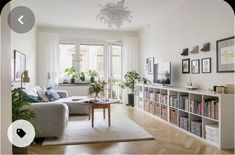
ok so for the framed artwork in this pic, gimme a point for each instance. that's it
(195, 66)
(206, 65)
(149, 67)
(19, 65)
(186, 66)
(225, 55)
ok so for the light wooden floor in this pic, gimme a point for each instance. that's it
(168, 140)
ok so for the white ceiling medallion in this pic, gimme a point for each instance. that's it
(114, 14)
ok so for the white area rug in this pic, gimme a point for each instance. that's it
(79, 131)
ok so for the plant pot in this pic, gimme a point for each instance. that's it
(131, 101)
(72, 80)
(92, 79)
(19, 150)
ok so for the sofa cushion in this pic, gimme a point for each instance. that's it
(42, 94)
(32, 99)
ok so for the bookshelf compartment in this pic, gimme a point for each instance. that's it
(146, 105)
(196, 125)
(184, 120)
(173, 99)
(184, 101)
(211, 131)
(152, 108)
(164, 112)
(174, 116)
(210, 107)
(158, 109)
(196, 104)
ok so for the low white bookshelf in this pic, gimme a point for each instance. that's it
(204, 115)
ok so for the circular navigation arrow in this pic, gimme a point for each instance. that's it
(21, 19)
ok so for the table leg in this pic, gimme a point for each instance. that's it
(104, 112)
(89, 113)
(109, 115)
(92, 117)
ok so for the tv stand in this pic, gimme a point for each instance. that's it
(195, 112)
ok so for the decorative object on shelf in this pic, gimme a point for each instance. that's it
(19, 65)
(21, 112)
(191, 87)
(92, 74)
(229, 88)
(82, 76)
(195, 50)
(206, 65)
(206, 47)
(96, 88)
(186, 66)
(185, 52)
(146, 81)
(71, 72)
(149, 66)
(114, 14)
(131, 78)
(225, 55)
(195, 66)
(24, 78)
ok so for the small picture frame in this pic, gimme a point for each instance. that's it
(19, 65)
(206, 65)
(195, 66)
(186, 66)
(225, 55)
(150, 65)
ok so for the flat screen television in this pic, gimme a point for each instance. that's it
(162, 73)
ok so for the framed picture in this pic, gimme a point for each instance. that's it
(195, 66)
(186, 66)
(225, 55)
(206, 65)
(19, 65)
(150, 63)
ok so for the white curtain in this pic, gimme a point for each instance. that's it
(47, 59)
(130, 58)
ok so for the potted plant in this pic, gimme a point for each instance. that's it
(131, 78)
(92, 74)
(82, 76)
(96, 88)
(71, 72)
(21, 110)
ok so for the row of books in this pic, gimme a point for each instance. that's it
(174, 101)
(158, 97)
(196, 107)
(210, 109)
(184, 102)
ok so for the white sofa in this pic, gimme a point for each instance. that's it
(52, 117)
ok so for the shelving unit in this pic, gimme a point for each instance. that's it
(207, 116)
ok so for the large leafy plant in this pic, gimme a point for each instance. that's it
(71, 72)
(92, 73)
(96, 88)
(131, 78)
(20, 106)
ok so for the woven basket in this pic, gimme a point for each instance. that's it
(19, 150)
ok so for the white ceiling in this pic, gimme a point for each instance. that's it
(82, 13)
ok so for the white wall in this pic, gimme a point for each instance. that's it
(25, 43)
(193, 23)
(88, 34)
(5, 82)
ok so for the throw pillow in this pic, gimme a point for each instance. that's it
(32, 99)
(52, 94)
(42, 94)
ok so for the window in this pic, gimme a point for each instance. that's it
(67, 56)
(117, 61)
(92, 57)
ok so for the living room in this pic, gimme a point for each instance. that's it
(168, 60)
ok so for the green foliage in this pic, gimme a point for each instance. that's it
(71, 72)
(131, 78)
(96, 87)
(82, 76)
(20, 106)
(92, 73)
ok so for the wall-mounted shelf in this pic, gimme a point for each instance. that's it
(207, 116)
